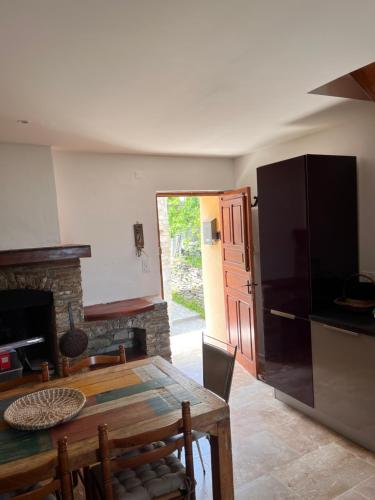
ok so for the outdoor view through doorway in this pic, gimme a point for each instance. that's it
(181, 251)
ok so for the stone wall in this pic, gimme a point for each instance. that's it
(187, 281)
(105, 336)
(63, 279)
(165, 246)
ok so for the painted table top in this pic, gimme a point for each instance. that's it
(131, 398)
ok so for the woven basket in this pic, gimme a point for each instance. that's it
(44, 409)
(357, 296)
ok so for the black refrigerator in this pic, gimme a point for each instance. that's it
(308, 247)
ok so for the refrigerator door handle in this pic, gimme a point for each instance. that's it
(282, 314)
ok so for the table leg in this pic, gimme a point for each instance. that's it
(221, 462)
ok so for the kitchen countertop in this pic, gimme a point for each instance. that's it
(339, 317)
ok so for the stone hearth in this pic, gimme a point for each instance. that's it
(60, 274)
(105, 335)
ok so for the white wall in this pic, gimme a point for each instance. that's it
(101, 196)
(352, 134)
(28, 209)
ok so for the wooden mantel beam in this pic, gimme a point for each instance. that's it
(25, 256)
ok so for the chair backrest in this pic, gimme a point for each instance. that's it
(40, 376)
(176, 435)
(93, 361)
(32, 485)
(218, 366)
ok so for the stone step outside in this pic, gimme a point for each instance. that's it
(178, 313)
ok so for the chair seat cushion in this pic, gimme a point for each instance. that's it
(147, 481)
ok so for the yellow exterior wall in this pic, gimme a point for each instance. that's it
(213, 273)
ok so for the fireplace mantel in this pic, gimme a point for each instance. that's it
(24, 256)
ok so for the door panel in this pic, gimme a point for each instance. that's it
(283, 234)
(239, 288)
(288, 357)
(235, 229)
(237, 224)
(232, 320)
(233, 257)
(226, 225)
(333, 225)
(244, 314)
(234, 281)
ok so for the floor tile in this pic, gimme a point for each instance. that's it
(324, 473)
(303, 435)
(354, 448)
(257, 454)
(366, 488)
(276, 449)
(350, 495)
(265, 488)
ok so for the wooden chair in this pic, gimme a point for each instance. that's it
(94, 361)
(91, 362)
(218, 367)
(163, 475)
(41, 376)
(37, 483)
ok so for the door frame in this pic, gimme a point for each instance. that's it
(173, 194)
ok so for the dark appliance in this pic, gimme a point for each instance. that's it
(26, 326)
(308, 247)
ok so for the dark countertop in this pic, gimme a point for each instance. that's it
(339, 317)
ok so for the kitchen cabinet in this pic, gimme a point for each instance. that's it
(344, 375)
(308, 247)
(288, 347)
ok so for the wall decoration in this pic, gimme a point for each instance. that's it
(138, 238)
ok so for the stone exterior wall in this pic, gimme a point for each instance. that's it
(165, 246)
(187, 281)
(63, 279)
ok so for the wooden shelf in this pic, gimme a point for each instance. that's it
(24, 256)
(113, 310)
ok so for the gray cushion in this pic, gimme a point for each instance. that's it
(147, 481)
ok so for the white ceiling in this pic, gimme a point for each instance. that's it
(195, 77)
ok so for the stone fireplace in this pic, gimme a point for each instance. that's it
(56, 272)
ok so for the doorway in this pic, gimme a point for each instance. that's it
(181, 257)
(212, 276)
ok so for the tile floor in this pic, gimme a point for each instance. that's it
(278, 453)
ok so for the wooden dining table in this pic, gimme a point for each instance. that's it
(135, 397)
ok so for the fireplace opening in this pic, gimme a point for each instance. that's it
(134, 341)
(26, 327)
(136, 344)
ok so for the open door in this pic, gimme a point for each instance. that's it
(238, 269)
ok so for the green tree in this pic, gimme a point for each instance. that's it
(184, 221)
(184, 216)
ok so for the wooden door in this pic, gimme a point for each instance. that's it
(238, 268)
